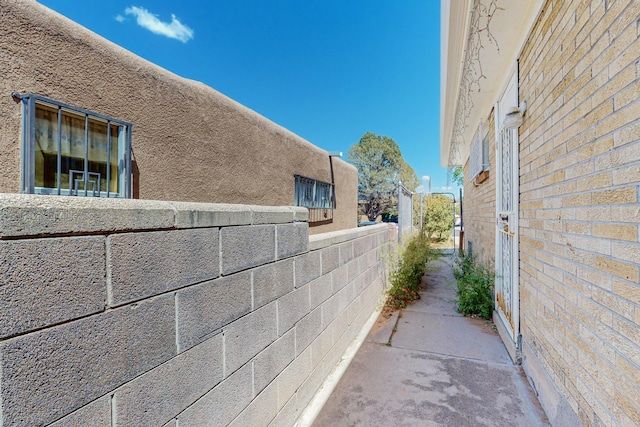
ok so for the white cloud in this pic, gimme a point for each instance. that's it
(174, 29)
(120, 18)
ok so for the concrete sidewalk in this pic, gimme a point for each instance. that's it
(430, 366)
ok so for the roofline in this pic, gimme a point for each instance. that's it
(517, 19)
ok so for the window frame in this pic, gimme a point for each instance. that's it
(299, 179)
(28, 152)
(480, 151)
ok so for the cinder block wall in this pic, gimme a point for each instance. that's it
(141, 313)
(479, 205)
(580, 183)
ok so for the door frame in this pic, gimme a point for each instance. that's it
(511, 324)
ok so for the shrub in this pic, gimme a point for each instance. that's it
(438, 217)
(474, 287)
(412, 265)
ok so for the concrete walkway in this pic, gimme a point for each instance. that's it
(430, 366)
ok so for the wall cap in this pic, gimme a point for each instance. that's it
(319, 241)
(38, 215)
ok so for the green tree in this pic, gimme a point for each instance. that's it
(438, 216)
(408, 176)
(380, 167)
(457, 176)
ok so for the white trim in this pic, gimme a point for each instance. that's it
(514, 24)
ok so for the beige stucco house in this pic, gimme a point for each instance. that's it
(82, 116)
(541, 105)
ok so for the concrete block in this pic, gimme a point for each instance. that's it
(246, 247)
(48, 281)
(53, 372)
(330, 310)
(321, 346)
(354, 309)
(361, 245)
(307, 268)
(340, 325)
(145, 264)
(292, 307)
(372, 258)
(293, 376)
(261, 410)
(273, 359)
(340, 278)
(96, 413)
(300, 214)
(353, 269)
(308, 329)
(203, 309)
(172, 423)
(335, 237)
(222, 404)
(248, 336)
(196, 215)
(359, 284)
(162, 393)
(272, 281)
(272, 214)
(310, 386)
(346, 252)
(330, 258)
(320, 290)
(287, 415)
(292, 239)
(35, 215)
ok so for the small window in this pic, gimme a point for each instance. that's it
(317, 196)
(479, 161)
(311, 193)
(73, 152)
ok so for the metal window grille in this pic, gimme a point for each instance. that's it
(313, 194)
(67, 150)
(479, 154)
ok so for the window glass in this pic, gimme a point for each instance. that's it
(311, 193)
(74, 152)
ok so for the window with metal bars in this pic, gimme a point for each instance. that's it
(312, 193)
(71, 151)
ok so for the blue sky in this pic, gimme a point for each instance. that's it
(328, 70)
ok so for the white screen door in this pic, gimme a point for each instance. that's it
(507, 188)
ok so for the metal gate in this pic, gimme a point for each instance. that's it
(405, 211)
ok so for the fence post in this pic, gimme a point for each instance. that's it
(399, 212)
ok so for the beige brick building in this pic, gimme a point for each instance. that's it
(540, 103)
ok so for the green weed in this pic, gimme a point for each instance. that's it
(474, 287)
(412, 265)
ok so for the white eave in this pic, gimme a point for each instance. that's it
(510, 25)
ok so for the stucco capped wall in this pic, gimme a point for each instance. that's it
(190, 142)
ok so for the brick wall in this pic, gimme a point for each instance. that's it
(479, 205)
(580, 175)
(138, 313)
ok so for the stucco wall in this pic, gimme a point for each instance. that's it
(190, 143)
(579, 210)
(140, 313)
(479, 206)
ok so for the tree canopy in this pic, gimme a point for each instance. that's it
(380, 167)
(456, 176)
